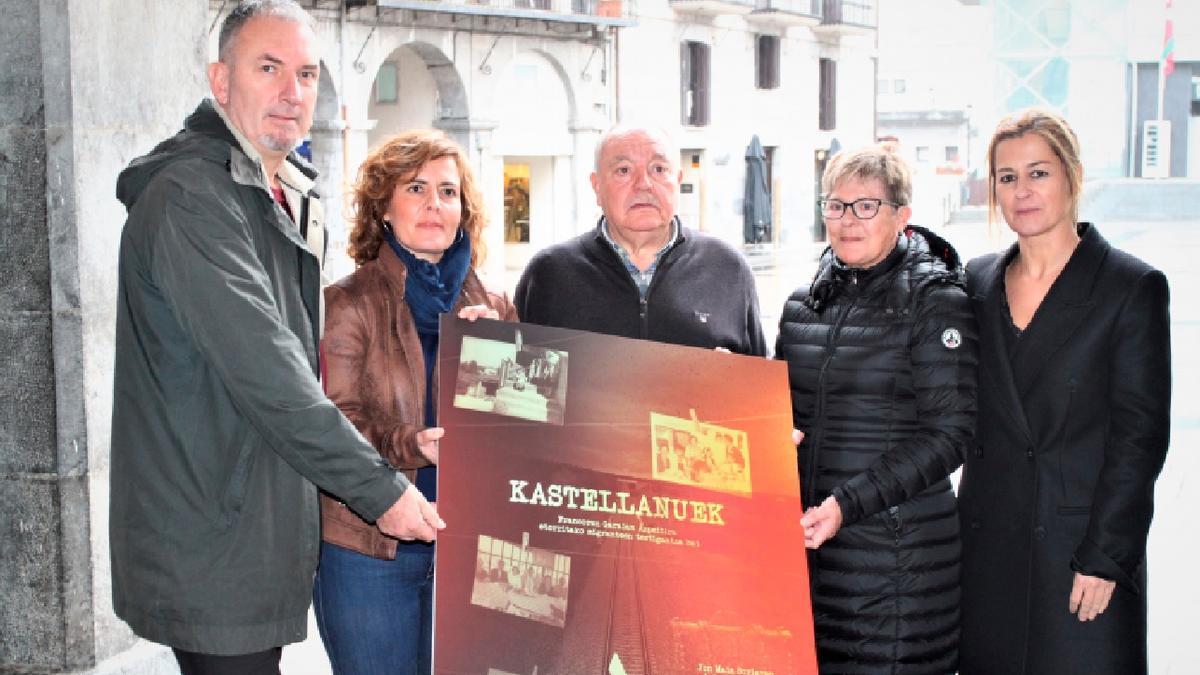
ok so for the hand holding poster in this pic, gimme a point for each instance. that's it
(615, 506)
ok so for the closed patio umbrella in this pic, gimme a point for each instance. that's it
(756, 205)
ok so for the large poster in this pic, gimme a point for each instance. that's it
(615, 506)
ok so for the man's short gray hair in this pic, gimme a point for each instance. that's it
(249, 9)
(670, 146)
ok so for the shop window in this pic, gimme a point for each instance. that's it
(899, 86)
(516, 203)
(951, 153)
(922, 153)
(694, 83)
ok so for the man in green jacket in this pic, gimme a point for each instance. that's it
(221, 433)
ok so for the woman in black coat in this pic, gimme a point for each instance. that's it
(881, 363)
(1074, 399)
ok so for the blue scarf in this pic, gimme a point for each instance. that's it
(433, 288)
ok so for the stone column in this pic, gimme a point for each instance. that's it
(328, 145)
(475, 136)
(45, 596)
(583, 162)
(357, 144)
(85, 88)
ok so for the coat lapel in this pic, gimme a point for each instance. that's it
(1061, 313)
(403, 326)
(404, 329)
(989, 310)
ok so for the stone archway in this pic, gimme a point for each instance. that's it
(416, 86)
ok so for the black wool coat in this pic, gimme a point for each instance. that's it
(1071, 434)
(881, 364)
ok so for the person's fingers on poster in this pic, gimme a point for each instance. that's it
(797, 436)
(473, 312)
(1090, 596)
(411, 517)
(427, 443)
(821, 523)
(430, 515)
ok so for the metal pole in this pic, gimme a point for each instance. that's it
(1162, 87)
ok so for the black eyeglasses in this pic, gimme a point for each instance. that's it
(865, 208)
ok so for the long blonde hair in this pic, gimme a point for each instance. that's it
(1053, 129)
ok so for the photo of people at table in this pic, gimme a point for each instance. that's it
(521, 580)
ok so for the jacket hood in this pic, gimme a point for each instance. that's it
(937, 247)
(204, 136)
(927, 257)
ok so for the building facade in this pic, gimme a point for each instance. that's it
(1096, 62)
(522, 85)
(795, 73)
(527, 87)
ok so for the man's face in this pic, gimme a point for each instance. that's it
(636, 183)
(268, 87)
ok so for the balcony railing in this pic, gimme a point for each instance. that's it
(714, 7)
(789, 11)
(611, 12)
(850, 13)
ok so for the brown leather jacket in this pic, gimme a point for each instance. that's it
(375, 373)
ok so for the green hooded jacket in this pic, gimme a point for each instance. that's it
(221, 432)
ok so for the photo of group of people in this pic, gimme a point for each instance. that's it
(521, 580)
(691, 452)
(513, 379)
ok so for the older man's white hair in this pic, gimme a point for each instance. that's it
(660, 134)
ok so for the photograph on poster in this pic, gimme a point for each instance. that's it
(690, 452)
(513, 379)
(521, 580)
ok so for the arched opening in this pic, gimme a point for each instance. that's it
(536, 146)
(416, 86)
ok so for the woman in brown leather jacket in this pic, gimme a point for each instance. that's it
(416, 238)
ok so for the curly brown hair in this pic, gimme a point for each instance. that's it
(398, 161)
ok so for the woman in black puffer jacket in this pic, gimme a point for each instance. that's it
(881, 353)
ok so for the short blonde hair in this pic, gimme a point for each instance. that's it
(872, 162)
(1053, 129)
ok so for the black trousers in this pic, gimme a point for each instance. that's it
(258, 663)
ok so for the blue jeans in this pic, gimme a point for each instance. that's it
(375, 616)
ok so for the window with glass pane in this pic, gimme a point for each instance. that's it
(387, 85)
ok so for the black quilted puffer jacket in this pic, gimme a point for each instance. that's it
(882, 364)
